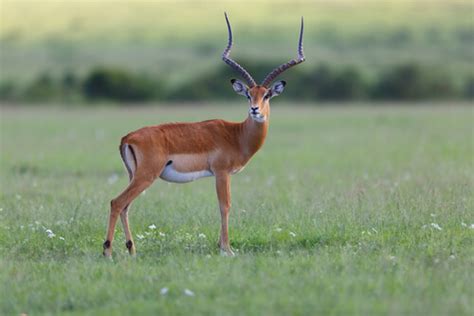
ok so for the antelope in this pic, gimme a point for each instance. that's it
(183, 152)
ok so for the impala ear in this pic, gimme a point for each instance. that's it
(278, 87)
(239, 87)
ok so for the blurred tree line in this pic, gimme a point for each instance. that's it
(403, 82)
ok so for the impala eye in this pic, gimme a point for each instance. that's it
(267, 96)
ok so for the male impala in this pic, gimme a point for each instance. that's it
(183, 152)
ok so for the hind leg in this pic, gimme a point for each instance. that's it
(128, 234)
(119, 205)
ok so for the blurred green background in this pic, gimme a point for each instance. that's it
(82, 51)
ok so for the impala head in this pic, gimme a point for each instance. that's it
(260, 95)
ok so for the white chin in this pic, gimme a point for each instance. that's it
(258, 118)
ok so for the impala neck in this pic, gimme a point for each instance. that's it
(253, 135)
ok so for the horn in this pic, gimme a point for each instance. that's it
(272, 75)
(232, 63)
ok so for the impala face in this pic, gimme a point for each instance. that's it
(259, 97)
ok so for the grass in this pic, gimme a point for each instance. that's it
(338, 214)
(166, 36)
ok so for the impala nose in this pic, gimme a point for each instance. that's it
(254, 109)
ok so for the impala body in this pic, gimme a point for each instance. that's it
(183, 152)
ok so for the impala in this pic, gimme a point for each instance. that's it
(183, 152)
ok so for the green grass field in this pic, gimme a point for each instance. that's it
(179, 39)
(364, 210)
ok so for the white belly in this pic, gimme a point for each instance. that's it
(171, 175)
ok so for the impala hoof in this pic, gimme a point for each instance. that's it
(227, 253)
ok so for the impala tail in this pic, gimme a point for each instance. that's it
(128, 157)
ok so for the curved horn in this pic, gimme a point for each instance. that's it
(271, 76)
(232, 63)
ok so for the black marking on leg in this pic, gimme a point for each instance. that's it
(129, 245)
(107, 244)
(169, 162)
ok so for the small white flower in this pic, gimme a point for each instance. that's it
(147, 233)
(18, 197)
(152, 226)
(21, 226)
(463, 224)
(113, 178)
(433, 215)
(452, 257)
(424, 226)
(164, 291)
(471, 226)
(278, 229)
(48, 231)
(292, 234)
(188, 292)
(162, 234)
(436, 226)
(1, 209)
(201, 235)
(61, 237)
(392, 258)
(374, 230)
(140, 236)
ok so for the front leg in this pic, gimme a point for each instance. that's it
(223, 195)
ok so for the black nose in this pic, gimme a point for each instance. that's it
(254, 109)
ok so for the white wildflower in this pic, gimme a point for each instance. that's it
(188, 292)
(374, 230)
(162, 234)
(147, 233)
(140, 236)
(201, 235)
(463, 224)
(244, 211)
(471, 226)
(61, 237)
(392, 258)
(113, 178)
(152, 226)
(18, 197)
(292, 234)
(278, 229)
(50, 233)
(436, 226)
(452, 257)
(164, 291)
(433, 215)
(1, 209)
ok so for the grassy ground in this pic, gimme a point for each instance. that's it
(346, 210)
(180, 39)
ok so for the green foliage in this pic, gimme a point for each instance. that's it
(412, 82)
(118, 85)
(44, 88)
(324, 82)
(334, 216)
